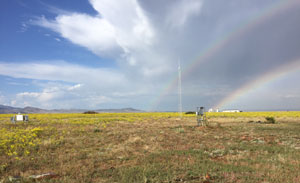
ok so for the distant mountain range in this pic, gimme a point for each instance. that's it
(13, 110)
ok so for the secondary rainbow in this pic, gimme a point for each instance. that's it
(260, 81)
(218, 44)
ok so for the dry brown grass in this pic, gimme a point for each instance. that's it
(163, 149)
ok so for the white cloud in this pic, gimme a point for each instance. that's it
(129, 94)
(2, 99)
(120, 27)
(55, 89)
(77, 86)
(154, 71)
(24, 27)
(28, 94)
(182, 10)
(57, 39)
(121, 30)
(13, 102)
(96, 100)
(41, 97)
(62, 71)
(48, 94)
(129, 20)
(94, 33)
(55, 94)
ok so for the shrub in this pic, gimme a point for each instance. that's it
(90, 112)
(190, 112)
(270, 120)
(97, 130)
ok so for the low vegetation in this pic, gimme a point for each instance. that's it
(270, 120)
(90, 112)
(190, 112)
(151, 147)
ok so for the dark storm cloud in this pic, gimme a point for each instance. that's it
(263, 48)
(267, 44)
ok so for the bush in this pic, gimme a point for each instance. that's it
(90, 112)
(270, 120)
(190, 112)
(97, 130)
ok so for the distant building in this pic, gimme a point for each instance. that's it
(233, 110)
(213, 110)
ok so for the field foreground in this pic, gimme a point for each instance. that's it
(151, 147)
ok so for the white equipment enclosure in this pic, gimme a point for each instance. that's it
(18, 118)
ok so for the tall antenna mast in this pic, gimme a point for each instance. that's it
(179, 90)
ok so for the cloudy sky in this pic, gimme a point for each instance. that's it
(125, 53)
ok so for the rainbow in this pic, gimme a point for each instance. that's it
(260, 81)
(218, 44)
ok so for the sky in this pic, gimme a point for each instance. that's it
(100, 54)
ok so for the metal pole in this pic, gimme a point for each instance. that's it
(179, 90)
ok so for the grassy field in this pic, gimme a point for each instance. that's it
(151, 147)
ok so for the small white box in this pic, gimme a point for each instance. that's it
(19, 117)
